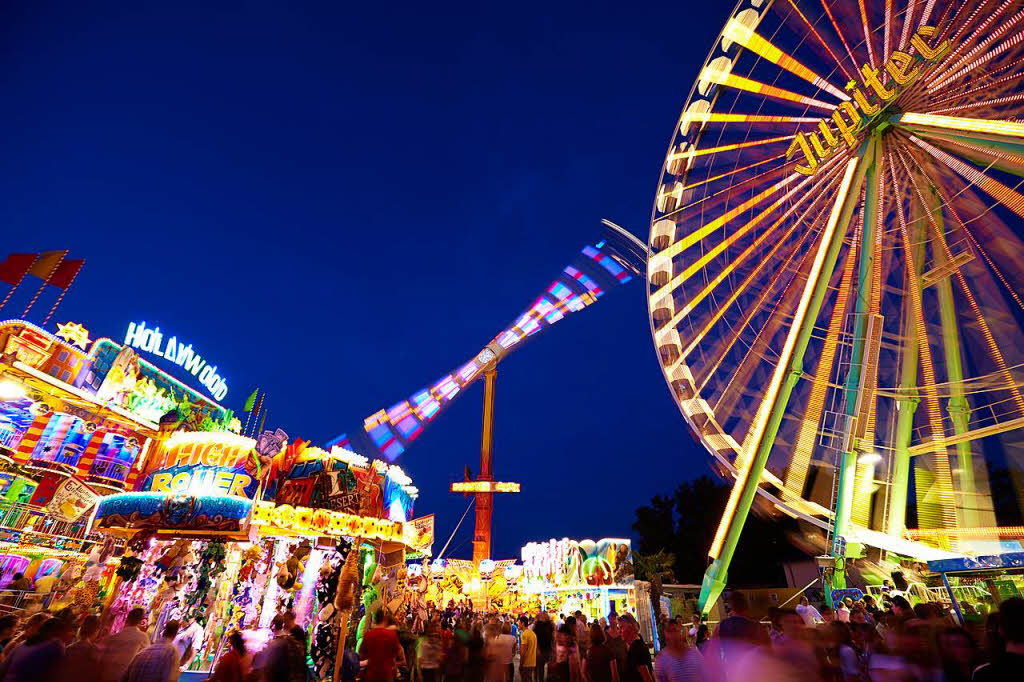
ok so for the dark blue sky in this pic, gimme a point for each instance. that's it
(340, 203)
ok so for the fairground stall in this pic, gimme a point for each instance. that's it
(77, 420)
(490, 586)
(595, 578)
(224, 532)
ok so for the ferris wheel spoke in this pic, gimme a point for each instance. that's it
(810, 27)
(984, 155)
(720, 73)
(737, 31)
(737, 234)
(867, 32)
(839, 32)
(976, 129)
(994, 352)
(772, 285)
(717, 117)
(979, 104)
(694, 152)
(1007, 196)
(957, 53)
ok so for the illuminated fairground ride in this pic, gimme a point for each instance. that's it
(835, 269)
(614, 260)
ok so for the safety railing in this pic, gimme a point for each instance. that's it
(25, 517)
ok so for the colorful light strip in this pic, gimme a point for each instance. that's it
(485, 487)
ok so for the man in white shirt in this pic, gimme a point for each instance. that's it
(189, 641)
(808, 613)
(117, 651)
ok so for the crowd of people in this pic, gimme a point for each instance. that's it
(863, 641)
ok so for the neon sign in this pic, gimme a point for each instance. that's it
(901, 67)
(151, 340)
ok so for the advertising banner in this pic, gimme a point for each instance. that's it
(71, 500)
(420, 533)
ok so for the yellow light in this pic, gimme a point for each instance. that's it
(974, 125)
(325, 522)
(984, 533)
(179, 438)
(10, 390)
(738, 32)
(746, 459)
(72, 332)
(485, 487)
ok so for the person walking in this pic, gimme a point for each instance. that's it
(616, 645)
(638, 657)
(565, 665)
(545, 632)
(527, 651)
(678, 662)
(82, 659)
(159, 662)
(1008, 664)
(284, 659)
(190, 639)
(40, 655)
(117, 651)
(599, 665)
(233, 666)
(428, 653)
(381, 650)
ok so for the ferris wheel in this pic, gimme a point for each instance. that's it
(836, 268)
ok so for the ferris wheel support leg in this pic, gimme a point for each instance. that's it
(906, 405)
(848, 458)
(784, 379)
(958, 407)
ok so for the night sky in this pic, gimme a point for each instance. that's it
(341, 203)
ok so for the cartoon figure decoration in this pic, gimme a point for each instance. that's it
(269, 444)
(623, 563)
(120, 380)
(568, 563)
(178, 509)
(174, 557)
(290, 569)
(370, 595)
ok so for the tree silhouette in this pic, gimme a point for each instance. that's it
(683, 525)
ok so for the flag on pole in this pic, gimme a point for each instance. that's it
(250, 401)
(46, 264)
(16, 266)
(256, 412)
(65, 273)
(262, 421)
(43, 268)
(14, 269)
(62, 278)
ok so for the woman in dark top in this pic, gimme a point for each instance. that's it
(600, 664)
